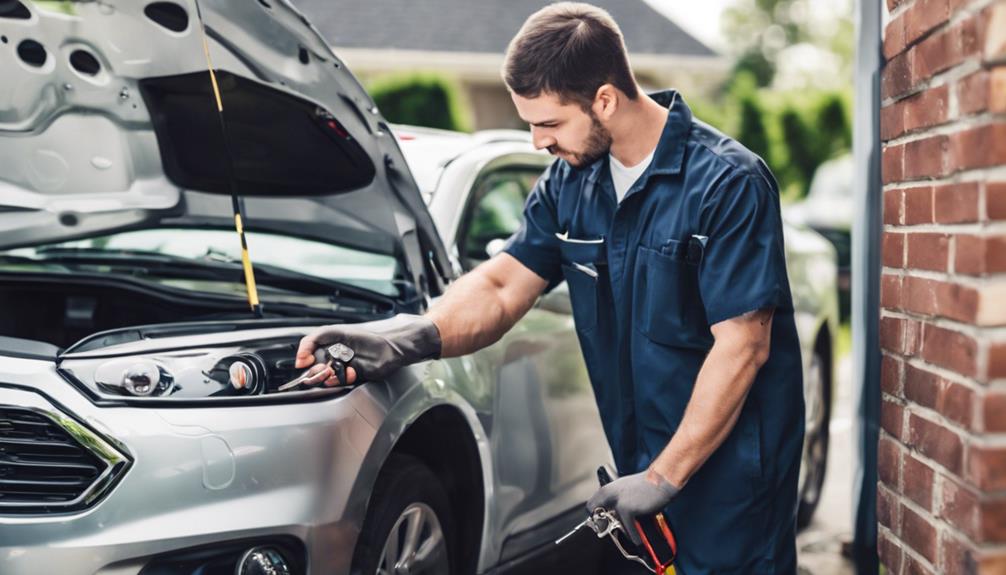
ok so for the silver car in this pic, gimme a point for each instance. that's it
(142, 430)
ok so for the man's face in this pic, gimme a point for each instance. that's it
(565, 130)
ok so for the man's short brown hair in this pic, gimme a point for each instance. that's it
(568, 49)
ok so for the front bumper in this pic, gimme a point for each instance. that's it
(197, 476)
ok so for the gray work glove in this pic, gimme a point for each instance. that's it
(632, 496)
(379, 348)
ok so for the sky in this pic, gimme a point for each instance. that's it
(700, 18)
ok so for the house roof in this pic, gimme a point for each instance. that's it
(478, 26)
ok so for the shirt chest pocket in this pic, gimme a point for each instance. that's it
(585, 269)
(667, 306)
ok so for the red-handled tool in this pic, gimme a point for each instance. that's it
(654, 532)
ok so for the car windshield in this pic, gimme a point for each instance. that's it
(375, 272)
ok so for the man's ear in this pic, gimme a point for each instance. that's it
(606, 101)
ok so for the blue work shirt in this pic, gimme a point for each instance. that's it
(696, 240)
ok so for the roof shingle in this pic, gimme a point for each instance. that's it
(480, 26)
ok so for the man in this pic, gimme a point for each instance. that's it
(669, 236)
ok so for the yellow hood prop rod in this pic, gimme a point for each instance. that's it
(246, 262)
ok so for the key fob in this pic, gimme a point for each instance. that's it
(340, 354)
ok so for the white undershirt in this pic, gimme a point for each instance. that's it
(624, 177)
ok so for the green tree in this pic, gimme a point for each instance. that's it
(428, 99)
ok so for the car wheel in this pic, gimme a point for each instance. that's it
(408, 529)
(815, 456)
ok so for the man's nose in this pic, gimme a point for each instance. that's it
(540, 140)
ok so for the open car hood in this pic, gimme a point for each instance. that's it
(108, 122)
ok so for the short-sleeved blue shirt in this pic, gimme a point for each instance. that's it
(697, 240)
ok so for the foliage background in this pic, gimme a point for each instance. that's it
(421, 99)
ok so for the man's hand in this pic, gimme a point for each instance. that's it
(380, 348)
(628, 497)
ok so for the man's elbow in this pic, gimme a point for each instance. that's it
(758, 351)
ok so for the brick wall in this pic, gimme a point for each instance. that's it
(941, 499)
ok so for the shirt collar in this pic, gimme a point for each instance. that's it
(670, 153)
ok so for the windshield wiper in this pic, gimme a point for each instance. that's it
(216, 266)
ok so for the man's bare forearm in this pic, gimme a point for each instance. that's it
(483, 305)
(720, 390)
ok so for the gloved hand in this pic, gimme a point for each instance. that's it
(628, 497)
(380, 347)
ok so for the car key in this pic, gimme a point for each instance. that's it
(335, 356)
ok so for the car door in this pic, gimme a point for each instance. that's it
(546, 434)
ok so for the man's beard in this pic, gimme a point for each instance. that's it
(597, 145)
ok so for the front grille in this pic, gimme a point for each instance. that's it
(49, 463)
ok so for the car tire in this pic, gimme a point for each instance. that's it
(816, 454)
(408, 528)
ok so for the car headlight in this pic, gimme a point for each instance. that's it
(253, 368)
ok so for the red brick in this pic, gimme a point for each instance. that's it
(928, 251)
(890, 291)
(936, 442)
(956, 203)
(987, 468)
(892, 332)
(918, 533)
(994, 412)
(973, 93)
(887, 509)
(915, 567)
(890, 375)
(892, 416)
(927, 158)
(927, 109)
(892, 160)
(978, 256)
(991, 563)
(918, 482)
(918, 206)
(939, 299)
(956, 5)
(923, 16)
(893, 250)
(957, 557)
(927, 389)
(950, 349)
(945, 49)
(994, 18)
(979, 147)
(912, 342)
(889, 551)
(893, 202)
(959, 506)
(993, 521)
(892, 121)
(894, 37)
(889, 466)
(896, 78)
(995, 200)
(997, 89)
(997, 360)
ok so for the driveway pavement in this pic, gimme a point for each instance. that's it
(819, 546)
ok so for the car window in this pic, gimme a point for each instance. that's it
(495, 211)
